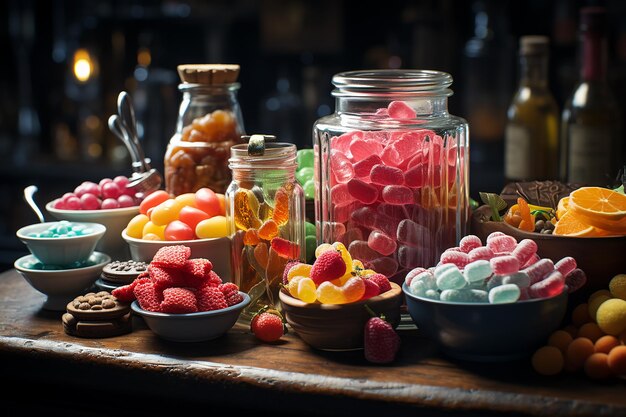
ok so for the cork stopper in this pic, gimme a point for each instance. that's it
(533, 45)
(210, 74)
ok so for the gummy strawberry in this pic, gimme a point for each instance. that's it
(382, 281)
(267, 325)
(381, 340)
(178, 300)
(172, 256)
(231, 293)
(210, 298)
(328, 266)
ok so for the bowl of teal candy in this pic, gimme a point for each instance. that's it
(61, 243)
(496, 302)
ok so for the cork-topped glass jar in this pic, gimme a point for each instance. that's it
(209, 123)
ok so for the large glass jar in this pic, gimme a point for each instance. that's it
(209, 123)
(391, 169)
(265, 208)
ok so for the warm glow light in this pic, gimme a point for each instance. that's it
(83, 67)
(143, 57)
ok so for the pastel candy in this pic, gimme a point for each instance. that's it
(341, 166)
(398, 194)
(521, 279)
(384, 175)
(482, 252)
(412, 274)
(550, 286)
(505, 293)
(565, 265)
(432, 294)
(362, 191)
(477, 271)
(539, 270)
(494, 235)
(502, 244)
(381, 243)
(361, 149)
(470, 242)
(460, 259)
(525, 250)
(450, 279)
(465, 296)
(504, 265)
(494, 281)
(363, 168)
(400, 110)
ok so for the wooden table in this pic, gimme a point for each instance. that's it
(140, 374)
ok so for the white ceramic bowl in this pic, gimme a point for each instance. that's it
(192, 327)
(115, 221)
(216, 250)
(64, 250)
(61, 285)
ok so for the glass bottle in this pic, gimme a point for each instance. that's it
(265, 208)
(531, 136)
(209, 123)
(591, 138)
(391, 169)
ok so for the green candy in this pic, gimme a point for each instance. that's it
(304, 158)
(309, 189)
(304, 174)
(310, 229)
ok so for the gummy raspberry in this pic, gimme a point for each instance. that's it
(214, 280)
(179, 301)
(328, 266)
(166, 277)
(147, 296)
(172, 256)
(267, 327)
(371, 289)
(210, 298)
(382, 282)
(197, 270)
(126, 293)
(231, 293)
(287, 268)
(381, 341)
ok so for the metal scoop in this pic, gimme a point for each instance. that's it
(144, 178)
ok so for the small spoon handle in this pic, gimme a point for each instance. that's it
(28, 196)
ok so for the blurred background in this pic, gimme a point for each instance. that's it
(65, 62)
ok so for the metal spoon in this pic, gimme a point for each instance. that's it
(28, 196)
(116, 126)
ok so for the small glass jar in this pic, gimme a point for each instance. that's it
(391, 169)
(209, 123)
(265, 208)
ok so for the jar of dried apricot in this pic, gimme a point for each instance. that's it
(209, 123)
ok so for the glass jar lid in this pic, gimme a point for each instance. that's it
(392, 82)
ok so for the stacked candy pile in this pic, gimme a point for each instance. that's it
(502, 271)
(394, 194)
(107, 194)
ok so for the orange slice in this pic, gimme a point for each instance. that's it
(598, 202)
(611, 227)
(562, 207)
(571, 225)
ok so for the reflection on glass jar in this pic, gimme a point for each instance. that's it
(265, 207)
(391, 170)
(209, 123)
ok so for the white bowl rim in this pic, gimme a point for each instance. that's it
(120, 210)
(20, 233)
(174, 316)
(405, 290)
(105, 260)
(168, 242)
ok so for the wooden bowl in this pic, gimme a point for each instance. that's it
(338, 326)
(601, 258)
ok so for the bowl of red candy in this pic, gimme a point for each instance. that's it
(107, 203)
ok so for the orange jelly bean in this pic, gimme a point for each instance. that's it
(251, 237)
(268, 230)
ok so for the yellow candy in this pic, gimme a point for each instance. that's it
(345, 255)
(187, 199)
(306, 290)
(166, 212)
(618, 286)
(292, 287)
(357, 264)
(303, 270)
(151, 228)
(322, 248)
(352, 290)
(367, 272)
(594, 304)
(151, 236)
(135, 226)
(611, 316)
(216, 226)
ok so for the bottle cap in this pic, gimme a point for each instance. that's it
(593, 18)
(210, 74)
(533, 45)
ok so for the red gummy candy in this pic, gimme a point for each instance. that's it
(210, 298)
(361, 149)
(167, 277)
(381, 243)
(525, 251)
(341, 166)
(172, 256)
(231, 293)
(339, 194)
(470, 242)
(539, 270)
(362, 191)
(482, 252)
(363, 168)
(412, 274)
(382, 282)
(197, 270)
(126, 293)
(502, 244)
(214, 279)
(504, 265)
(398, 194)
(384, 175)
(147, 296)
(285, 248)
(179, 301)
(460, 259)
(371, 289)
(566, 265)
(549, 287)
(400, 110)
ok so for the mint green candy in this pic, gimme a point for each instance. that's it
(309, 229)
(309, 189)
(304, 158)
(303, 175)
(465, 296)
(506, 293)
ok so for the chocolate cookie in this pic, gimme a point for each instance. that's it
(95, 315)
(123, 272)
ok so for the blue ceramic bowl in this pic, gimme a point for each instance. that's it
(487, 332)
(192, 327)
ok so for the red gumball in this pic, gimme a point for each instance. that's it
(177, 230)
(191, 216)
(207, 201)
